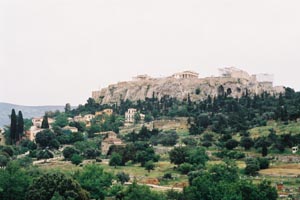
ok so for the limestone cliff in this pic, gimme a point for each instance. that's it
(198, 88)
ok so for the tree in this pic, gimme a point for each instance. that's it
(178, 155)
(13, 127)
(13, 182)
(76, 159)
(44, 154)
(28, 144)
(148, 118)
(115, 160)
(95, 180)
(138, 192)
(67, 108)
(225, 172)
(61, 120)
(91, 153)
(8, 150)
(264, 151)
(263, 163)
(246, 142)
(185, 168)
(45, 123)
(149, 165)
(46, 138)
(68, 152)
(266, 191)
(252, 167)
(231, 144)
(3, 160)
(145, 154)
(57, 185)
(20, 126)
(122, 177)
(222, 182)
(197, 157)
(137, 117)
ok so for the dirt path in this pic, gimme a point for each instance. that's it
(158, 187)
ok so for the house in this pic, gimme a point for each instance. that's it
(70, 119)
(111, 139)
(2, 137)
(130, 115)
(88, 117)
(70, 128)
(142, 116)
(37, 121)
(78, 118)
(32, 132)
(108, 112)
(295, 149)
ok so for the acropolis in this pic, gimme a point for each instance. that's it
(180, 85)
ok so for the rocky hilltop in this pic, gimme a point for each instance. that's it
(232, 81)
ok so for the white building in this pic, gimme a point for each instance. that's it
(2, 137)
(37, 122)
(129, 115)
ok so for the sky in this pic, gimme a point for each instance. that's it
(54, 52)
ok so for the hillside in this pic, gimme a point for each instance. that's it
(28, 111)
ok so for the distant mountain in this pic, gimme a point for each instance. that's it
(28, 111)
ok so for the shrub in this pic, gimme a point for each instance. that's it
(167, 176)
(231, 144)
(44, 154)
(76, 159)
(8, 150)
(185, 168)
(122, 177)
(91, 153)
(115, 160)
(3, 160)
(263, 163)
(206, 144)
(69, 151)
(149, 165)
(252, 167)
(230, 154)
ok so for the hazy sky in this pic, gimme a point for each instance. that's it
(58, 51)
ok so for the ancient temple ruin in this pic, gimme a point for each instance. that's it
(186, 75)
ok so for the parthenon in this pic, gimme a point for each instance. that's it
(185, 75)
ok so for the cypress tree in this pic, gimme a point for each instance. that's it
(13, 126)
(45, 123)
(20, 126)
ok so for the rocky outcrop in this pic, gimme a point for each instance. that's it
(197, 88)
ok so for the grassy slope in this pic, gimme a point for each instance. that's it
(279, 127)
